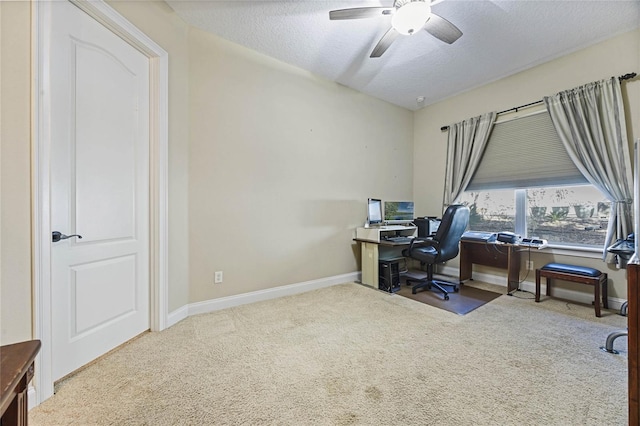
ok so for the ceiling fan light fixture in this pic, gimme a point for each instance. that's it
(411, 17)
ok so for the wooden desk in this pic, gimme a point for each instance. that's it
(504, 256)
(375, 248)
(372, 253)
(16, 371)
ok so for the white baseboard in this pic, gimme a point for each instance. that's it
(260, 295)
(31, 397)
(584, 297)
(177, 315)
(291, 289)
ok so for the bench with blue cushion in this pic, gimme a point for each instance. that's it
(576, 274)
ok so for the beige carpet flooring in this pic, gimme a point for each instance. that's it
(351, 355)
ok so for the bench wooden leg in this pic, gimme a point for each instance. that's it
(597, 285)
(548, 286)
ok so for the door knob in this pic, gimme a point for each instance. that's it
(57, 236)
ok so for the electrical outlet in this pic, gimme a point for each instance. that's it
(529, 265)
(217, 277)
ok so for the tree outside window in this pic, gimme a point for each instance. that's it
(566, 215)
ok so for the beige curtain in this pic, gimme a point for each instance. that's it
(590, 121)
(465, 146)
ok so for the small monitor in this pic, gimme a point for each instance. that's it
(374, 211)
(396, 212)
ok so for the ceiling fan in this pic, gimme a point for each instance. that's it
(407, 18)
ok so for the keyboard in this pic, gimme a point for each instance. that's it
(399, 240)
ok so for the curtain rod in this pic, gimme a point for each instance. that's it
(627, 76)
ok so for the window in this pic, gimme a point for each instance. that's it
(527, 183)
(563, 215)
(490, 211)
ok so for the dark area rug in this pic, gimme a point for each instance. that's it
(461, 303)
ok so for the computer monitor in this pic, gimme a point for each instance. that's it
(396, 212)
(374, 211)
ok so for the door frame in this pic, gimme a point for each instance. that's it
(40, 166)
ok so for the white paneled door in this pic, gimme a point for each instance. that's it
(99, 89)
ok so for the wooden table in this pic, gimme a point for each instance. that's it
(497, 255)
(16, 371)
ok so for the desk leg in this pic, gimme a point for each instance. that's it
(370, 264)
(513, 269)
(466, 266)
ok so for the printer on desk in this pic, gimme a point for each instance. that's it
(491, 237)
(508, 237)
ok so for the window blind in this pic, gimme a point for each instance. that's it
(522, 153)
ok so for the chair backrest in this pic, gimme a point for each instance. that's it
(454, 222)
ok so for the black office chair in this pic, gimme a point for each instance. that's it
(439, 248)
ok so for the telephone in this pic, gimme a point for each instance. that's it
(507, 237)
(623, 248)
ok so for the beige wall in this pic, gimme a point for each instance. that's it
(294, 157)
(614, 57)
(281, 165)
(15, 204)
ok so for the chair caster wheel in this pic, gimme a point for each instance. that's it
(456, 289)
(446, 297)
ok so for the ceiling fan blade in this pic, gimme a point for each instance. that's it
(359, 13)
(442, 29)
(384, 43)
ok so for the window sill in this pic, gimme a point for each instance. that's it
(577, 251)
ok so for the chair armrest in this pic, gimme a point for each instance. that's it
(424, 242)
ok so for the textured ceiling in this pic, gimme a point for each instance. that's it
(500, 38)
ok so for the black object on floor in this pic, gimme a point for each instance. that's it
(461, 302)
